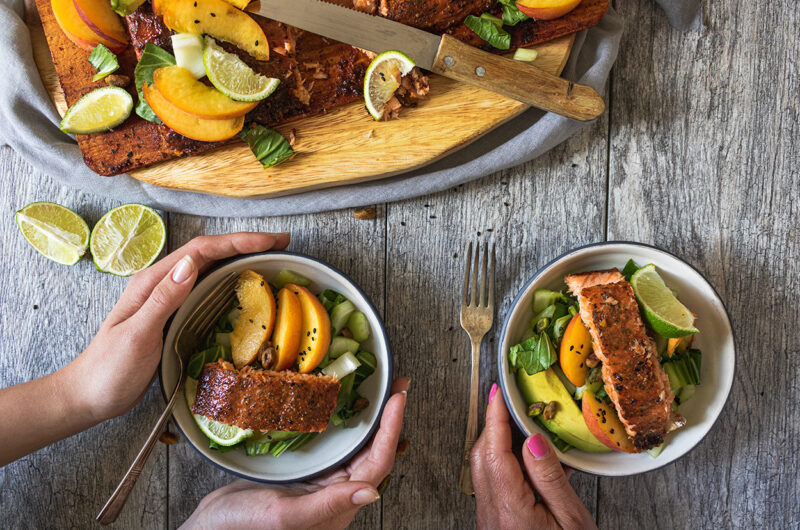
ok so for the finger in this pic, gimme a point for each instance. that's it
(321, 508)
(497, 432)
(168, 295)
(205, 251)
(549, 480)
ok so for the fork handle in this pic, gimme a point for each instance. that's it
(117, 501)
(465, 480)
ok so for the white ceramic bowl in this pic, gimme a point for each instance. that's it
(715, 340)
(333, 447)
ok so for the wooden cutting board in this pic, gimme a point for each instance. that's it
(341, 147)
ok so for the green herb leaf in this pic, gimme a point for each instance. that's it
(533, 355)
(104, 61)
(488, 31)
(629, 269)
(330, 299)
(511, 13)
(125, 7)
(151, 60)
(268, 146)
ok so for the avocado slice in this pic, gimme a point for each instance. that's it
(567, 423)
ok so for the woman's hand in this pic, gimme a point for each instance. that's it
(328, 502)
(504, 498)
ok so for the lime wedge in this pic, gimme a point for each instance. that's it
(56, 232)
(665, 313)
(127, 239)
(231, 76)
(219, 433)
(99, 110)
(383, 79)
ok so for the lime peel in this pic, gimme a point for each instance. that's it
(55, 231)
(231, 76)
(380, 81)
(665, 313)
(220, 433)
(100, 110)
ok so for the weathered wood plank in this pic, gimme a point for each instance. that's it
(48, 314)
(704, 163)
(526, 211)
(355, 247)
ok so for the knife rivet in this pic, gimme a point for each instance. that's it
(480, 71)
(449, 61)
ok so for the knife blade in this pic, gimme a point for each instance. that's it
(443, 55)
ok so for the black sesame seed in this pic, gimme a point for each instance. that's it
(195, 4)
(262, 284)
(571, 348)
(308, 333)
(256, 43)
(611, 430)
(314, 330)
(251, 320)
(265, 327)
(309, 348)
(196, 21)
(213, 15)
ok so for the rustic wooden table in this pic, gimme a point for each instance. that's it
(697, 155)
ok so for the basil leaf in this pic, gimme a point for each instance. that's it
(533, 355)
(104, 61)
(489, 32)
(151, 60)
(629, 269)
(511, 13)
(268, 146)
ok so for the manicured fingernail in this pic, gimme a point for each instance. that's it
(538, 446)
(183, 269)
(365, 496)
(492, 392)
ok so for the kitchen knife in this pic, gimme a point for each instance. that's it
(443, 55)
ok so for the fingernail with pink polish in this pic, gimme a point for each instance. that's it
(492, 392)
(538, 446)
(183, 269)
(364, 497)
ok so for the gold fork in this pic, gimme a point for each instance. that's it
(194, 330)
(476, 319)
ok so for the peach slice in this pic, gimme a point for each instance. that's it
(256, 318)
(288, 327)
(101, 19)
(77, 31)
(604, 424)
(218, 19)
(576, 345)
(180, 88)
(315, 335)
(188, 125)
(546, 9)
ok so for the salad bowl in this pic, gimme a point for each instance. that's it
(335, 445)
(715, 339)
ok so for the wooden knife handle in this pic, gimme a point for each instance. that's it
(517, 80)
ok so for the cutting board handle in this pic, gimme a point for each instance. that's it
(517, 80)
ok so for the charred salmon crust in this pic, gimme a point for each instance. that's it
(632, 375)
(264, 400)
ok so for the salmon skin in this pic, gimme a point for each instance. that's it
(632, 375)
(265, 400)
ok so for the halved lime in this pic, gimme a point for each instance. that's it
(219, 433)
(99, 110)
(383, 79)
(665, 313)
(127, 239)
(55, 231)
(231, 76)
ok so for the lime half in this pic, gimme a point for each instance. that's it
(219, 433)
(666, 314)
(383, 79)
(231, 76)
(99, 110)
(55, 231)
(127, 239)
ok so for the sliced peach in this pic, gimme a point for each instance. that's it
(288, 327)
(576, 345)
(158, 6)
(180, 88)
(604, 424)
(218, 19)
(188, 125)
(315, 335)
(101, 19)
(256, 318)
(77, 31)
(546, 9)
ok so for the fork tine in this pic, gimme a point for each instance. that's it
(210, 303)
(484, 283)
(473, 297)
(491, 276)
(215, 315)
(465, 291)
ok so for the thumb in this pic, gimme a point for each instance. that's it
(169, 293)
(330, 505)
(549, 480)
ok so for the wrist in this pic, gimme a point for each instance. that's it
(75, 392)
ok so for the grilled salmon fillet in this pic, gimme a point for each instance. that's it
(633, 377)
(264, 400)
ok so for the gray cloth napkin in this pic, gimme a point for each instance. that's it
(30, 127)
